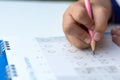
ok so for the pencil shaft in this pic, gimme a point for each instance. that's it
(89, 11)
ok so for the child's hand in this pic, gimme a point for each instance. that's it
(76, 22)
(116, 35)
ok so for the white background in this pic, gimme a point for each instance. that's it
(34, 18)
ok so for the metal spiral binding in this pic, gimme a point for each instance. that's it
(11, 71)
(2, 47)
(7, 45)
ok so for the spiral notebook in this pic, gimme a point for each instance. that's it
(54, 58)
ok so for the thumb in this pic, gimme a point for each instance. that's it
(101, 21)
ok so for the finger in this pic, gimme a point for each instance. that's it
(81, 34)
(77, 42)
(80, 15)
(116, 31)
(101, 21)
(71, 28)
(116, 39)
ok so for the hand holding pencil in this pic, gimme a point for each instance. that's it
(89, 11)
(77, 22)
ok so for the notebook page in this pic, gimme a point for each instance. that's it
(70, 63)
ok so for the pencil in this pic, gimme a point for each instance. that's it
(89, 11)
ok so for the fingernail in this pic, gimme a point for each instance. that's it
(97, 36)
(87, 40)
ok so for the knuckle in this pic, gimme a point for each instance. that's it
(81, 14)
(67, 29)
(67, 25)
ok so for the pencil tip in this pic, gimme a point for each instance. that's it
(93, 48)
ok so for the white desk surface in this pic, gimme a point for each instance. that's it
(33, 18)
